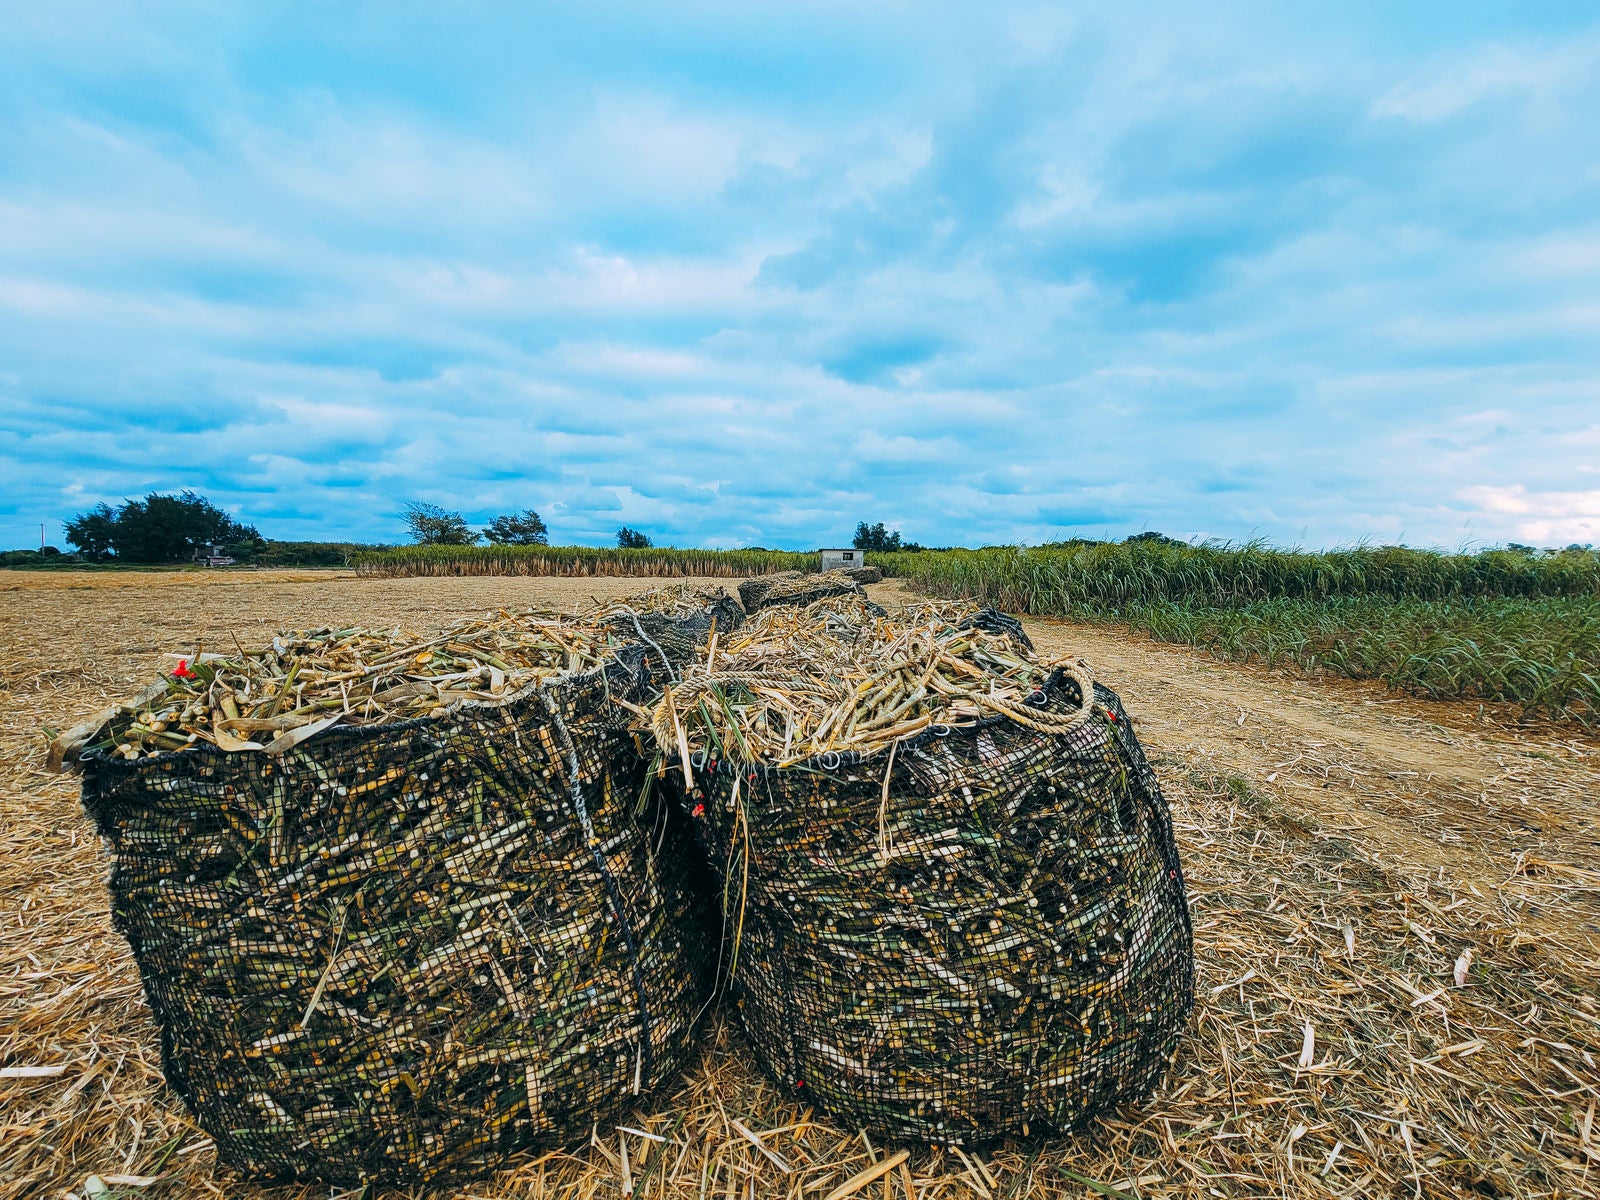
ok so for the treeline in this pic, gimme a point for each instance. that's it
(160, 530)
(157, 529)
(265, 553)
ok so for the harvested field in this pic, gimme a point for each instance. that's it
(1350, 857)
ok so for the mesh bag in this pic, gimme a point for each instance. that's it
(795, 587)
(673, 622)
(983, 935)
(862, 574)
(400, 952)
(992, 620)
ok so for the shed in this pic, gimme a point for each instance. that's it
(833, 560)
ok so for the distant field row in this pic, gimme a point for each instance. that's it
(1066, 578)
(1543, 654)
(1101, 575)
(576, 560)
(1493, 626)
(1498, 625)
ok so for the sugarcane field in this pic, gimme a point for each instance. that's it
(767, 883)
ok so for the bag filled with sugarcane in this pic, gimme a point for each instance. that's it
(671, 622)
(951, 894)
(795, 588)
(397, 903)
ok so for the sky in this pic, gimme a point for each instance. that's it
(746, 274)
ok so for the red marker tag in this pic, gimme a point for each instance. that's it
(699, 810)
(182, 671)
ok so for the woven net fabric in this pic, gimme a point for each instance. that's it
(795, 587)
(862, 574)
(984, 934)
(992, 620)
(670, 624)
(402, 952)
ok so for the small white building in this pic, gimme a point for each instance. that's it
(833, 560)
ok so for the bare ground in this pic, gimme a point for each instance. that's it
(1344, 848)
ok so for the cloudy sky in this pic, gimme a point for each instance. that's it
(747, 273)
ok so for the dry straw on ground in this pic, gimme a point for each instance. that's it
(1396, 944)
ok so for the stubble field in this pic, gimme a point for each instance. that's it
(1345, 850)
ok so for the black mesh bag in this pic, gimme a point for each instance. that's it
(401, 952)
(984, 935)
(670, 639)
(992, 620)
(795, 587)
(862, 574)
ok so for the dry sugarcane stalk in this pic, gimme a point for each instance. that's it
(671, 621)
(274, 696)
(793, 683)
(677, 600)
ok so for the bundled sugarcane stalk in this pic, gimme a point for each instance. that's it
(952, 903)
(862, 574)
(837, 676)
(674, 600)
(452, 925)
(673, 621)
(274, 696)
(795, 587)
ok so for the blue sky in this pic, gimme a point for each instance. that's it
(744, 274)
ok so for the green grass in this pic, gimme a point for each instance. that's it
(577, 560)
(1497, 626)
(1542, 654)
(1105, 575)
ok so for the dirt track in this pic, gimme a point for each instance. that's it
(1444, 810)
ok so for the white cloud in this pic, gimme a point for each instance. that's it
(387, 171)
(1539, 75)
(641, 143)
(1542, 518)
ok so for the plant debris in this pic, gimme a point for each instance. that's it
(795, 587)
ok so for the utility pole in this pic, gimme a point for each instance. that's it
(41, 535)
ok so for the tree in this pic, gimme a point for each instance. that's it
(91, 532)
(431, 525)
(526, 528)
(876, 537)
(1156, 539)
(156, 529)
(632, 539)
